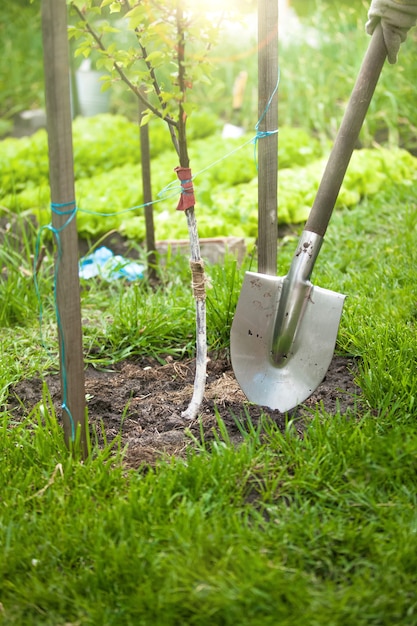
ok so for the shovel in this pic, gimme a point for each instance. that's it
(284, 330)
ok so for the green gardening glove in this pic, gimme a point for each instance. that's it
(396, 17)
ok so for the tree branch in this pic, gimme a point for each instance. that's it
(157, 91)
(119, 70)
(182, 118)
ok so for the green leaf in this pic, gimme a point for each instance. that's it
(111, 49)
(84, 48)
(167, 96)
(156, 58)
(146, 117)
(106, 63)
(72, 32)
(106, 28)
(106, 82)
(105, 3)
(135, 22)
(137, 10)
(189, 107)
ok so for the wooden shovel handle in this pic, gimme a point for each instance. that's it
(348, 134)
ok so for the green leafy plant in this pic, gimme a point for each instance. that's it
(228, 205)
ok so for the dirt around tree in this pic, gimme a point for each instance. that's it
(142, 402)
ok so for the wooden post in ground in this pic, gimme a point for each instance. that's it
(61, 175)
(147, 193)
(267, 145)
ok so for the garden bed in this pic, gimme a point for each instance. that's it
(142, 401)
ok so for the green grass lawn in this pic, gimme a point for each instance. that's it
(314, 530)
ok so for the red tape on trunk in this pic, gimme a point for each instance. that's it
(187, 199)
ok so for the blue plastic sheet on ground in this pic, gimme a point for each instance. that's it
(108, 266)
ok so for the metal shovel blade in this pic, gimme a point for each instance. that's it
(286, 385)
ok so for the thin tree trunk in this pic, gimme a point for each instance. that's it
(196, 262)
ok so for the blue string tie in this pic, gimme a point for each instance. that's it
(61, 210)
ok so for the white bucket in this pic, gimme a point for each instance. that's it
(91, 99)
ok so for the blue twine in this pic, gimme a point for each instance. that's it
(187, 191)
(268, 104)
(260, 134)
(56, 208)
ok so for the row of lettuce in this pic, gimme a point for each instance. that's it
(109, 185)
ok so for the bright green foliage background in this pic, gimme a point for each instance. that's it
(317, 70)
(109, 177)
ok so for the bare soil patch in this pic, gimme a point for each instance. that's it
(142, 401)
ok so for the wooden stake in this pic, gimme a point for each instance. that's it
(267, 146)
(147, 193)
(61, 178)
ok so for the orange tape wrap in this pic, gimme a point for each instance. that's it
(187, 199)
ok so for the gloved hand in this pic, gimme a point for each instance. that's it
(396, 17)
